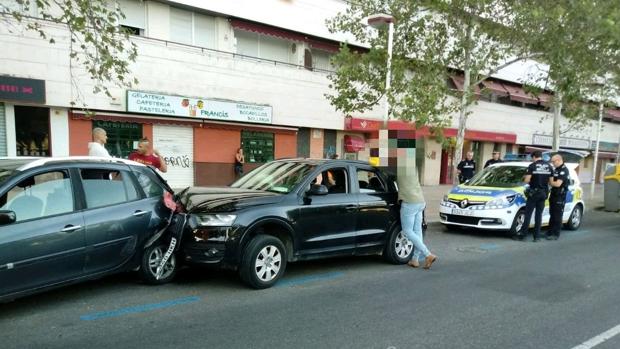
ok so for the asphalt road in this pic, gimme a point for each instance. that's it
(485, 291)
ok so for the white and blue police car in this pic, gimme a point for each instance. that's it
(494, 199)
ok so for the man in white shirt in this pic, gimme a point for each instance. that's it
(96, 148)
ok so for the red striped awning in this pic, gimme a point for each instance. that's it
(459, 82)
(517, 93)
(613, 113)
(495, 87)
(266, 30)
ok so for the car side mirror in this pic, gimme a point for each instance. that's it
(7, 217)
(318, 189)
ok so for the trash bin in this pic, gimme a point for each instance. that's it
(612, 188)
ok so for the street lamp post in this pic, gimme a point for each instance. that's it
(378, 21)
(596, 148)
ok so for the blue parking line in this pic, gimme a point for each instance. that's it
(489, 246)
(307, 279)
(139, 308)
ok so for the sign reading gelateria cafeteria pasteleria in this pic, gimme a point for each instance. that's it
(157, 104)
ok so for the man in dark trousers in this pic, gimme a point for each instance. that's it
(495, 160)
(559, 187)
(466, 168)
(538, 175)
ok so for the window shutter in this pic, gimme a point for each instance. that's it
(134, 13)
(181, 26)
(205, 31)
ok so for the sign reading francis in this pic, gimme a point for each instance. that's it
(151, 103)
(22, 90)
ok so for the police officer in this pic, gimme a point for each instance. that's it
(466, 168)
(495, 160)
(559, 187)
(538, 175)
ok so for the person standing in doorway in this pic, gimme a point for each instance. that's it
(495, 160)
(239, 161)
(145, 154)
(466, 168)
(412, 206)
(559, 187)
(537, 176)
(96, 147)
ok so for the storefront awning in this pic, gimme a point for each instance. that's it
(353, 144)
(372, 125)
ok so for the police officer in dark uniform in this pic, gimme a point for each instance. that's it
(466, 168)
(559, 187)
(495, 160)
(538, 176)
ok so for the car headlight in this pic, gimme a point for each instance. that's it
(502, 201)
(215, 220)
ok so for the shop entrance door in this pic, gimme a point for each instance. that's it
(32, 130)
(176, 145)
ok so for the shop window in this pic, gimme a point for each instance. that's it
(32, 128)
(258, 147)
(121, 136)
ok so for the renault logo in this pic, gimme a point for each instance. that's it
(464, 203)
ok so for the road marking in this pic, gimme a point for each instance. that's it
(307, 279)
(594, 341)
(139, 308)
(489, 246)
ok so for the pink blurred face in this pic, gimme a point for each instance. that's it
(143, 148)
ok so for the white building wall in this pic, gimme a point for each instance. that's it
(59, 130)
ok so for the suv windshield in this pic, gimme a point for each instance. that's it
(499, 176)
(278, 176)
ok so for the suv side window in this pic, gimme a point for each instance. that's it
(41, 195)
(370, 182)
(104, 187)
(149, 185)
(335, 179)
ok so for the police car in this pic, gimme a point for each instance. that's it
(494, 199)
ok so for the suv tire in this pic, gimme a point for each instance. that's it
(263, 262)
(151, 259)
(398, 249)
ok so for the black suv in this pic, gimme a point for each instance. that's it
(290, 210)
(64, 220)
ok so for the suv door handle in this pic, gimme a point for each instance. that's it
(140, 213)
(71, 228)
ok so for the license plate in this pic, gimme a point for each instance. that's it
(460, 212)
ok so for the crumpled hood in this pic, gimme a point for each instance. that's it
(225, 199)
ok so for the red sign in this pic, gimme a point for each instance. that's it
(353, 144)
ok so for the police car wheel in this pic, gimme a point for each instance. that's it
(517, 223)
(574, 221)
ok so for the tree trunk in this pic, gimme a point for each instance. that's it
(463, 110)
(557, 111)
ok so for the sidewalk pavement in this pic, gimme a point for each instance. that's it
(434, 193)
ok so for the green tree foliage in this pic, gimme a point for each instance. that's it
(579, 41)
(432, 38)
(97, 42)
